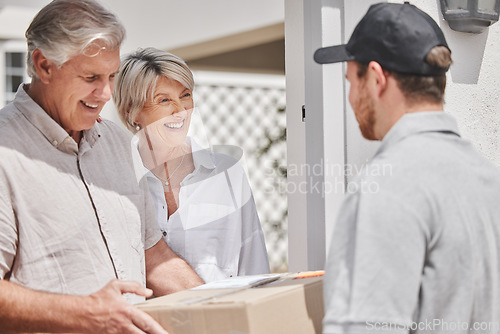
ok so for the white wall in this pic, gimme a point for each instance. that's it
(473, 89)
(171, 24)
(14, 20)
(162, 23)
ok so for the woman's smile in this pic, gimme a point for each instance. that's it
(175, 126)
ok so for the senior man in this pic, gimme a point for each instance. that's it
(77, 230)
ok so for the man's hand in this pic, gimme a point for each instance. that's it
(109, 312)
(24, 310)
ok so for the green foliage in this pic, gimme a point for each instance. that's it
(279, 166)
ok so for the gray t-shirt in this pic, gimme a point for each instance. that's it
(416, 247)
(71, 218)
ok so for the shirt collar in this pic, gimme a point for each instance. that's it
(91, 136)
(419, 122)
(52, 131)
(201, 157)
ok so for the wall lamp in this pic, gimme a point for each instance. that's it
(471, 16)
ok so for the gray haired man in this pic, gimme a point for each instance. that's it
(77, 230)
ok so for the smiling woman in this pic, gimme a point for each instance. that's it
(204, 203)
(171, 106)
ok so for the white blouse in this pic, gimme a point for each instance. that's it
(216, 228)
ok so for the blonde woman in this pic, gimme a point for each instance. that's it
(204, 203)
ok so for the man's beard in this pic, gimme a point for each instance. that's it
(365, 115)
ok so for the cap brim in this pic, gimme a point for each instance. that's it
(332, 54)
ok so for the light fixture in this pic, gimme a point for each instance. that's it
(470, 15)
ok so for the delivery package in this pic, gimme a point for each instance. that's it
(263, 304)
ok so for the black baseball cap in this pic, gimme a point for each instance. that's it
(397, 36)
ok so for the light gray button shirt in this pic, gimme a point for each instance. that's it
(416, 247)
(71, 218)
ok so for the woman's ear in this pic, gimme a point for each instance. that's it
(137, 121)
(44, 68)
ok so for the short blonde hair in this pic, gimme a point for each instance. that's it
(136, 81)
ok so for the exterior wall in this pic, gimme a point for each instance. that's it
(14, 20)
(172, 24)
(473, 88)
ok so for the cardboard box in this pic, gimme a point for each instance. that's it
(291, 303)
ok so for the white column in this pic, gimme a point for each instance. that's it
(328, 141)
(334, 102)
(296, 150)
(315, 146)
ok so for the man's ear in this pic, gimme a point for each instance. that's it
(44, 68)
(379, 76)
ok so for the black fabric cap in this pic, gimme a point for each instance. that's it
(397, 36)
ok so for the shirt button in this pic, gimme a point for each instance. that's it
(54, 142)
(164, 233)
